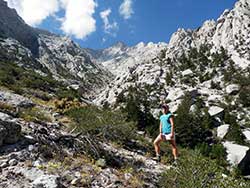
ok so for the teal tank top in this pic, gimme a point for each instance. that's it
(166, 125)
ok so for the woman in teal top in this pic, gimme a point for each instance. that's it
(166, 132)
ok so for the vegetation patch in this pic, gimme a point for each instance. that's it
(34, 114)
(195, 170)
(102, 123)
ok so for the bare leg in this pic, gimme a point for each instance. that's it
(174, 149)
(157, 142)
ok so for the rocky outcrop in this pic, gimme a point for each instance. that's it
(10, 129)
(229, 31)
(67, 61)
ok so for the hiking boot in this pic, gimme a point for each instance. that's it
(157, 158)
(175, 163)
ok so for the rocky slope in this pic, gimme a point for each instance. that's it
(43, 154)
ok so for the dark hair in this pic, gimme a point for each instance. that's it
(165, 107)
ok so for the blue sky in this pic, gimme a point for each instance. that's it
(150, 20)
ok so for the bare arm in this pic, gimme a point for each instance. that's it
(172, 125)
(160, 128)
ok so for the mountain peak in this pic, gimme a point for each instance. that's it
(2, 2)
(119, 44)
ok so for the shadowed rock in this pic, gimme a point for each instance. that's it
(10, 129)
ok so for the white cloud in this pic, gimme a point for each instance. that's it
(108, 27)
(126, 9)
(34, 11)
(78, 20)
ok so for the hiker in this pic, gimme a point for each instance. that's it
(166, 133)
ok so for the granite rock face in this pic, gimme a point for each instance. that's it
(12, 26)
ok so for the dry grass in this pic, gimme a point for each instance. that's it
(34, 114)
(6, 107)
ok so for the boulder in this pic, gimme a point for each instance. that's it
(246, 132)
(101, 163)
(235, 153)
(187, 72)
(215, 111)
(193, 92)
(239, 156)
(232, 89)
(3, 134)
(13, 162)
(46, 181)
(10, 129)
(244, 165)
(30, 173)
(175, 94)
(222, 130)
(15, 99)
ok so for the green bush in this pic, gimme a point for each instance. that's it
(13, 75)
(20, 80)
(244, 96)
(216, 152)
(191, 128)
(219, 58)
(234, 133)
(102, 122)
(215, 85)
(137, 109)
(195, 170)
(168, 79)
(70, 94)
